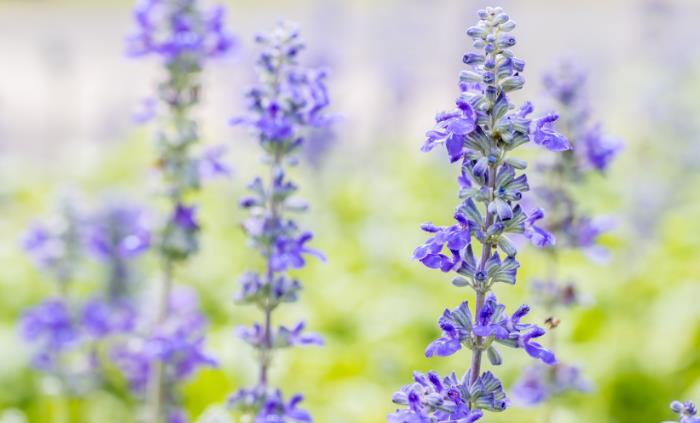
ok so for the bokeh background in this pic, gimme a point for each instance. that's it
(68, 93)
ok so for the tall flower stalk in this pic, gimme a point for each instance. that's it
(481, 134)
(284, 106)
(592, 152)
(184, 37)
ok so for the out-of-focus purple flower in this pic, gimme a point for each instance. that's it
(101, 318)
(212, 165)
(177, 415)
(270, 405)
(538, 236)
(186, 217)
(119, 232)
(177, 342)
(147, 111)
(282, 338)
(297, 97)
(57, 245)
(50, 327)
(544, 134)
(598, 149)
(173, 29)
(283, 107)
(539, 383)
(289, 253)
(586, 232)
(42, 246)
(255, 289)
(565, 83)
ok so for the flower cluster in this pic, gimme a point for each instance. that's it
(184, 36)
(63, 326)
(686, 411)
(480, 133)
(56, 246)
(591, 152)
(178, 341)
(178, 32)
(50, 326)
(540, 383)
(288, 101)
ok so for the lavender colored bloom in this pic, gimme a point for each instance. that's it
(686, 411)
(57, 245)
(539, 383)
(180, 236)
(282, 338)
(434, 399)
(186, 217)
(455, 237)
(100, 318)
(456, 328)
(591, 151)
(257, 290)
(597, 149)
(544, 134)
(289, 253)
(283, 108)
(481, 134)
(147, 111)
(184, 37)
(491, 324)
(212, 165)
(119, 232)
(173, 29)
(177, 415)
(177, 342)
(50, 327)
(269, 405)
(451, 129)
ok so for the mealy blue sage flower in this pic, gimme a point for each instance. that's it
(686, 411)
(178, 342)
(480, 133)
(592, 152)
(51, 329)
(184, 36)
(56, 246)
(287, 103)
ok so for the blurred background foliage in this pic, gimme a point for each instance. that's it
(66, 96)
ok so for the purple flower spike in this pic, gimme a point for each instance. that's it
(289, 103)
(482, 134)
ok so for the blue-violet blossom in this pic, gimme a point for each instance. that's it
(480, 133)
(284, 106)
